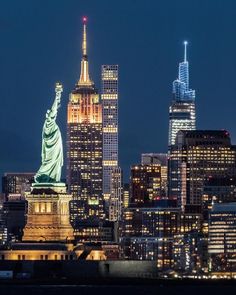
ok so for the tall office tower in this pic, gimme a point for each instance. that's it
(84, 147)
(110, 125)
(158, 233)
(216, 190)
(148, 234)
(197, 156)
(16, 183)
(182, 109)
(158, 158)
(146, 185)
(222, 238)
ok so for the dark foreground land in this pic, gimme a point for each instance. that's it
(119, 287)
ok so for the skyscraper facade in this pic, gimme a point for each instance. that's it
(148, 234)
(197, 156)
(110, 125)
(84, 146)
(182, 110)
(146, 185)
(16, 183)
(158, 158)
(115, 203)
(222, 237)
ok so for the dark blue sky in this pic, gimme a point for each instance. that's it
(40, 44)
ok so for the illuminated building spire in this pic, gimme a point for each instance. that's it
(185, 50)
(182, 109)
(184, 70)
(84, 79)
(84, 42)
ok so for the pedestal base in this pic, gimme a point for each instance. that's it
(48, 216)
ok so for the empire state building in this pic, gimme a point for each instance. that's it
(84, 147)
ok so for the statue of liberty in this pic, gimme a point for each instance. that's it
(52, 151)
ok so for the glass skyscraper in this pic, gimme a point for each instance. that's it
(182, 110)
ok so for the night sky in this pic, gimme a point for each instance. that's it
(41, 44)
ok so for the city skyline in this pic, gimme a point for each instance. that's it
(148, 135)
(147, 192)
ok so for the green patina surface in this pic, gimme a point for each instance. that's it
(52, 150)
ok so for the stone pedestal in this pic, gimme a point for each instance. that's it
(48, 216)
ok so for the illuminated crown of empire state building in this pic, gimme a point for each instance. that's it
(84, 146)
(182, 109)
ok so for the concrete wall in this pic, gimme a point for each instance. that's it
(128, 268)
(82, 269)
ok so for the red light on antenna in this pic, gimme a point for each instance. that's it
(84, 19)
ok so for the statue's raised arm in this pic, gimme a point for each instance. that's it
(52, 113)
(52, 151)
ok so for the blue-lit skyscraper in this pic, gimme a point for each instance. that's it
(182, 109)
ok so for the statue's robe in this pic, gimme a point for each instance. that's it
(52, 150)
